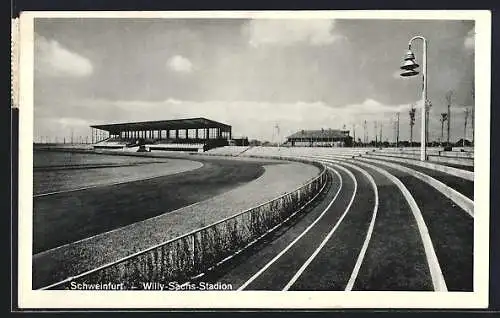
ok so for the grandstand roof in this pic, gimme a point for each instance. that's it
(188, 123)
(322, 133)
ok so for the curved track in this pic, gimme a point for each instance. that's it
(377, 228)
(70, 216)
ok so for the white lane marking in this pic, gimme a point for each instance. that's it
(364, 248)
(461, 200)
(263, 269)
(325, 240)
(435, 269)
(115, 183)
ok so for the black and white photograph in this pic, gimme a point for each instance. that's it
(254, 159)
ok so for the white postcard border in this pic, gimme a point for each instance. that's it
(29, 298)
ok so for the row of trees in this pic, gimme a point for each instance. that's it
(445, 117)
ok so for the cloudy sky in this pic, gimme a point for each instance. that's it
(251, 74)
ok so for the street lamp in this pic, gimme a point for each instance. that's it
(408, 68)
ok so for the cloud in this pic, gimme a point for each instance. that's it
(54, 60)
(69, 121)
(469, 40)
(289, 32)
(180, 64)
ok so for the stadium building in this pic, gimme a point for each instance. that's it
(320, 138)
(191, 134)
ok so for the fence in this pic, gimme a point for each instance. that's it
(186, 256)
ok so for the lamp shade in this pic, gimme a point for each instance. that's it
(409, 65)
(407, 73)
(409, 55)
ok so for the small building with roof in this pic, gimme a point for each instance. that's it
(320, 138)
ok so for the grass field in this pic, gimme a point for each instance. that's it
(69, 216)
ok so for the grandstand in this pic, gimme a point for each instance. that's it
(188, 135)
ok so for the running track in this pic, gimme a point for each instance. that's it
(376, 228)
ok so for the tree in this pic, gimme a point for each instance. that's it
(448, 102)
(444, 117)
(466, 113)
(354, 132)
(472, 114)
(412, 123)
(380, 139)
(397, 130)
(365, 133)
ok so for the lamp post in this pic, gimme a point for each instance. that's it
(408, 68)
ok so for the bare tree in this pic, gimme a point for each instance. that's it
(397, 130)
(444, 117)
(448, 102)
(354, 133)
(466, 113)
(472, 113)
(412, 123)
(380, 139)
(365, 137)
